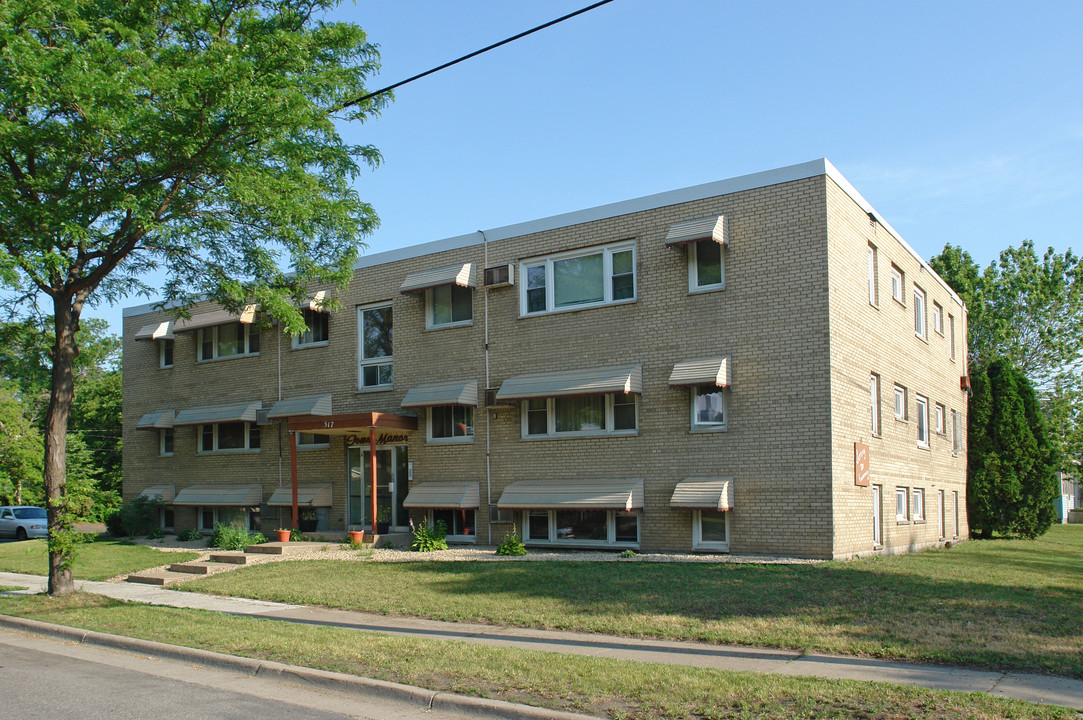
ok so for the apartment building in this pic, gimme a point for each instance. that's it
(756, 365)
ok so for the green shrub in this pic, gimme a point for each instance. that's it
(512, 544)
(629, 554)
(156, 534)
(190, 534)
(137, 517)
(234, 537)
(430, 537)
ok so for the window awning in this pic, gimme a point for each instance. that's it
(220, 495)
(459, 495)
(233, 412)
(161, 420)
(703, 493)
(307, 496)
(316, 302)
(578, 494)
(449, 393)
(626, 379)
(156, 331)
(704, 371)
(216, 317)
(455, 275)
(712, 228)
(159, 493)
(301, 405)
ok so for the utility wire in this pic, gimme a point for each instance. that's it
(389, 88)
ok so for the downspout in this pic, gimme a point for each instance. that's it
(488, 435)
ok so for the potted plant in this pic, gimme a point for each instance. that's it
(383, 521)
(283, 534)
(356, 536)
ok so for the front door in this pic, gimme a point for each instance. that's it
(392, 485)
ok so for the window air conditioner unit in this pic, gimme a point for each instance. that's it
(499, 276)
(492, 402)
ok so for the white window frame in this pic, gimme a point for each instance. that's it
(898, 286)
(248, 331)
(877, 515)
(938, 318)
(606, 251)
(697, 533)
(611, 530)
(951, 336)
(900, 395)
(162, 524)
(920, 318)
(941, 519)
(922, 407)
(955, 513)
(902, 505)
(248, 427)
(430, 322)
(917, 505)
(454, 439)
(306, 339)
(874, 402)
(693, 392)
(162, 360)
(162, 434)
(381, 360)
(250, 516)
(312, 441)
(874, 289)
(941, 423)
(693, 267)
(551, 420)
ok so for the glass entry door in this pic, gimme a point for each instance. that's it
(392, 486)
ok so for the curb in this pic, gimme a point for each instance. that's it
(468, 706)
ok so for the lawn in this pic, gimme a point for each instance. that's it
(612, 688)
(98, 559)
(1001, 603)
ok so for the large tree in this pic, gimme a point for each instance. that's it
(193, 137)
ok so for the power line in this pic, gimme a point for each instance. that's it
(475, 54)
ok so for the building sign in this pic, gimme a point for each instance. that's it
(861, 464)
(383, 437)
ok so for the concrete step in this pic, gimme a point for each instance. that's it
(196, 568)
(158, 577)
(287, 548)
(271, 548)
(233, 558)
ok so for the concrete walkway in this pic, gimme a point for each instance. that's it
(1067, 692)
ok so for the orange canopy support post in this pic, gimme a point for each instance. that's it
(293, 475)
(372, 471)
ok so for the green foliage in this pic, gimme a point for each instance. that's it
(234, 537)
(629, 554)
(156, 534)
(430, 537)
(135, 518)
(512, 544)
(20, 451)
(1011, 482)
(189, 535)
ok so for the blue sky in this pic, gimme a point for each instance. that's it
(960, 122)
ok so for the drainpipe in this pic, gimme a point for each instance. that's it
(488, 435)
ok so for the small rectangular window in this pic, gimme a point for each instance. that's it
(918, 509)
(956, 432)
(919, 312)
(165, 442)
(312, 441)
(874, 291)
(375, 358)
(229, 437)
(874, 402)
(316, 329)
(706, 266)
(229, 340)
(165, 353)
(449, 305)
(900, 402)
(951, 336)
(710, 530)
(451, 423)
(922, 405)
(897, 279)
(940, 421)
(612, 413)
(708, 407)
(902, 513)
(600, 276)
(938, 318)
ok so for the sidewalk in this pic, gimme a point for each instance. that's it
(1021, 686)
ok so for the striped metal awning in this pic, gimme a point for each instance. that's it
(704, 371)
(301, 405)
(220, 495)
(703, 493)
(448, 393)
(459, 495)
(161, 420)
(216, 317)
(307, 496)
(156, 331)
(625, 379)
(231, 412)
(578, 494)
(159, 493)
(712, 228)
(462, 275)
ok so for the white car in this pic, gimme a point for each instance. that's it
(23, 521)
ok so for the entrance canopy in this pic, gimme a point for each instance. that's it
(351, 424)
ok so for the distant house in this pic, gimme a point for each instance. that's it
(756, 365)
(1069, 504)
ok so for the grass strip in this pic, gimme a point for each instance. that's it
(98, 559)
(1010, 604)
(611, 688)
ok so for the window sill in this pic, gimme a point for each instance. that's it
(577, 308)
(449, 326)
(306, 346)
(874, 305)
(578, 436)
(310, 448)
(711, 547)
(450, 441)
(228, 452)
(165, 367)
(902, 522)
(227, 358)
(378, 388)
(708, 430)
(919, 522)
(165, 454)
(706, 289)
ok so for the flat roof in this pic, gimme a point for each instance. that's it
(766, 178)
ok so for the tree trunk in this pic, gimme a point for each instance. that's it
(66, 322)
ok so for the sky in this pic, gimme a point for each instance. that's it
(960, 122)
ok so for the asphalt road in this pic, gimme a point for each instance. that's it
(48, 679)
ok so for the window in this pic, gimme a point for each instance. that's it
(375, 366)
(951, 336)
(706, 266)
(897, 285)
(581, 279)
(938, 318)
(312, 441)
(940, 429)
(902, 513)
(247, 518)
(229, 340)
(900, 402)
(710, 530)
(708, 407)
(166, 517)
(451, 423)
(581, 527)
(955, 513)
(316, 331)
(449, 306)
(874, 402)
(874, 290)
(229, 437)
(941, 512)
(923, 420)
(165, 442)
(918, 508)
(919, 312)
(877, 516)
(613, 413)
(458, 522)
(956, 432)
(165, 353)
